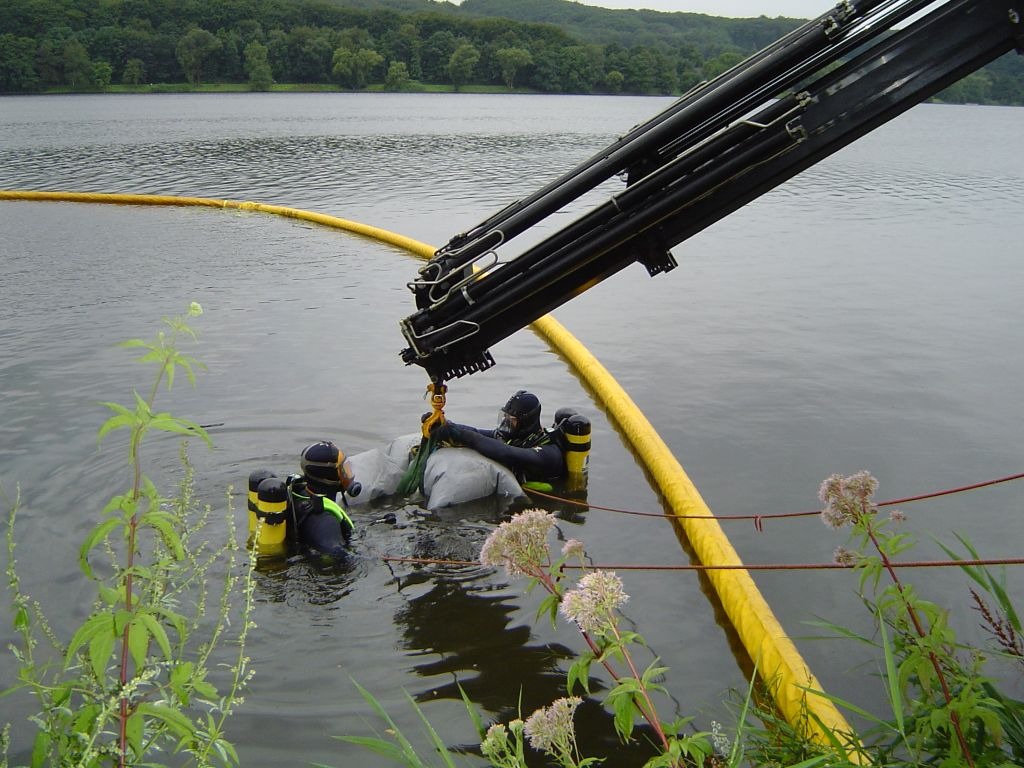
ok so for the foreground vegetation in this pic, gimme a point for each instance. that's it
(137, 679)
(81, 45)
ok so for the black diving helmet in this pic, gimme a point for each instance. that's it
(324, 464)
(520, 418)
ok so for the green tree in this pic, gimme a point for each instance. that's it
(613, 81)
(462, 63)
(134, 72)
(17, 70)
(343, 66)
(49, 62)
(257, 67)
(309, 55)
(354, 68)
(193, 51)
(397, 78)
(435, 54)
(102, 73)
(721, 63)
(366, 63)
(404, 45)
(77, 66)
(511, 60)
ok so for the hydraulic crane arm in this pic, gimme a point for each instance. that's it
(717, 148)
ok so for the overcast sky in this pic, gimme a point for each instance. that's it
(797, 9)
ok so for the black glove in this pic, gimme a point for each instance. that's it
(446, 432)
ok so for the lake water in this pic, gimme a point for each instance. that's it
(865, 315)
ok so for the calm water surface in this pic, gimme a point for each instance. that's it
(865, 315)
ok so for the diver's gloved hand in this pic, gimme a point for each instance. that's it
(447, 432)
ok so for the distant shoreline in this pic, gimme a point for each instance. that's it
(220, 88)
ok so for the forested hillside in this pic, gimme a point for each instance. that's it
(553, 46)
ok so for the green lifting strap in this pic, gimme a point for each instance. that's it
(413, 477)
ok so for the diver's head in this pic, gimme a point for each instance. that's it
(325, 467)
(520, 417)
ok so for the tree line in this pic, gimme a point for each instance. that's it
(85, 44)
(90, 45)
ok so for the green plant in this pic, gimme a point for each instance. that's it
(134, 680)
(943, 712)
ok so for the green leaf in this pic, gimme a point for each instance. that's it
(471, 710)
(101, 647)
(100, 622)
(624, 717)
(96, 535)
(164, 525)
(579, 672)
(124, 418)
(548, 605)
(133, 731)
(40, 749)
(158, 633)
(175, 721)
(380, 746)
(892, 677)
(122, 619)
(138, 641)
(439, 746)
(205, 689)
(167, 423)
(133, 343)
(180, 675)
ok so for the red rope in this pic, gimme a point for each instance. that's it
(758, 519)
(734, 567)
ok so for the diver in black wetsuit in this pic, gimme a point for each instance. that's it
(519, 442)
(320, 522)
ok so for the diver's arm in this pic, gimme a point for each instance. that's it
(543, 462)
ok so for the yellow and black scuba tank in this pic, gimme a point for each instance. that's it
(268, 513)
(573, 430)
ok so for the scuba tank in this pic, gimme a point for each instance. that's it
(255, 478)
(574, 430)
(268, 522)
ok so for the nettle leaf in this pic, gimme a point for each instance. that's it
(101, 647)
(176, 620)
(157, 632)
(579, 672)
(40, 749)
(85, 718)
(122, 503)
(167, 423)
(205, 689)
(133, 731)
(624, 717)
(548, 605)
(122, 619)
(175, 721)
(163, 523)
(100, 622)
(138, 641)
(123, 418)
(134, 343)
(109, 595)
